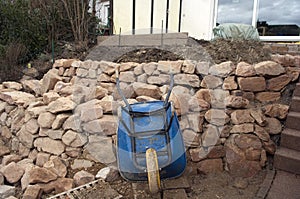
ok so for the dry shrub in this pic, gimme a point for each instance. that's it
(15, 51)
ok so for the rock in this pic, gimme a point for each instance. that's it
(209, 166)
(32, 192)
(4, 150)
(17, 97)
(261, 133)
(32, 126)
(42, 158)
(91, 113)
(263, 158)
(229, 83)
(158, 80)
(138, 70)
(10, 158)
(169, 66)
(210, 136)
(245, 141)
(6, 191)
(73, 139)
(276, 110)
(223, 69)
(60, 185)
(216, 152)
(202, 68)
(242, 128)
(81, 163)
(278, 83)
(142, 89)
(240, 183)
(236, 102)
(48, 145)
(127, 76)
(149, 68)
(32, 86)
(83, 177)
(273, 126)
(50, 97)
(195, 121)
(104, 126)
(198, 154)
(13, 172)
(65, 63)
(41, 175)
(59, 120)
(73, 123)
(188, 66)
(253, 84)
(253, 154)
(211, 82)
(258, 116)
(245, 70)
(268, 68)
(62, 104)
(175, 193)
(197, 105)
(46, 119)
(293, 73)
(49, 80)
(56, 166)
(190, 138)
(187, 80)
(12, 85)
(26, 138)
(248, 95)
(217, 117)
(108, 174)
(270, 147)
(101, 149)
(1, 179)
(5, 133)
(241, 116)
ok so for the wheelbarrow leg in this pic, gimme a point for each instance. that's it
(153, 171)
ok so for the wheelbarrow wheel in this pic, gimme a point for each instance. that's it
(153, 171)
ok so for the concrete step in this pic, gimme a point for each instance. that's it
(290, 138)
(295, 105)
(297, 90)
(293, 120)
(287, 160)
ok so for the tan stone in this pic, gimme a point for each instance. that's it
(17, 97)
(293, 73)
(202, 68)
(169, 66)
(83, 177)
(13, 172)
(258, 116)
(142, 89)
(268, 96)
(198, 154)
(273, 126)
(236, 102)
(253, 154)
(161, 79)
(217, 117)
(74, 139)
(32, 192)
(46, 119)
(229, 83)
(242, 128)
(211, 136)
(253, 84)
(223, 69)
(48, 145)
(32, 86)
(241, 116)
(268, 68)
(49, 80)
(62, 104)
(187, 80)
(104, 126)
(278, 83)
(277, 110)
(211, 82)
(190, 138)
(56, 166)
(261, 133)
(59, 120)
(245, 70)
(41, 175)
(188, 66)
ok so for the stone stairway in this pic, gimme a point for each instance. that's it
(287, 156)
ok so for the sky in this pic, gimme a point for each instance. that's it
(272, 11)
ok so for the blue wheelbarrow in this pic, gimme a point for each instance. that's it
(149, 141)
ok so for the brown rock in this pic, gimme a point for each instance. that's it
(42, 158)
(293, 73)
(32, 126)
(56, 166)
(277, 110)
(253, 154)
(236, 102)
(241, 116)
(204, 94)
(49, 80)
(210, 166)
(12, 85)
(61, 185)
(197, 105)
(242, 128)
(223, 69)
(13, 172)
(240, 183)
(268, 68)
(210, 136)
(261, 133)
(216, 152)
(248, 95)
(263, 158)
(245, 141)
(245, 70)
(195, 121)
(253, 84)
(211, 82)
(41, 175)
(187, 80)
(190, 138)
(62, 104)
(217, 117)
(273, 126)
(17, 97)
(268, 96)
(258, 117)
(74, 139)
(83, 177)
(3, 150)
(32, 192)
(229, 83)
(198, 154)
(270, 147)
(278, 83)
(142, 89)
(49, 145)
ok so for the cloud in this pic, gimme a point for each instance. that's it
(274, 12)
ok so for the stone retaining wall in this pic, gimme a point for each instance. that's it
(67, 121)
(284, 48)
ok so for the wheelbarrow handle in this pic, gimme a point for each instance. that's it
(170, 88)
(120, 91)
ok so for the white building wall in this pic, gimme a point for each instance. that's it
(122, 16)
(142, 17)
